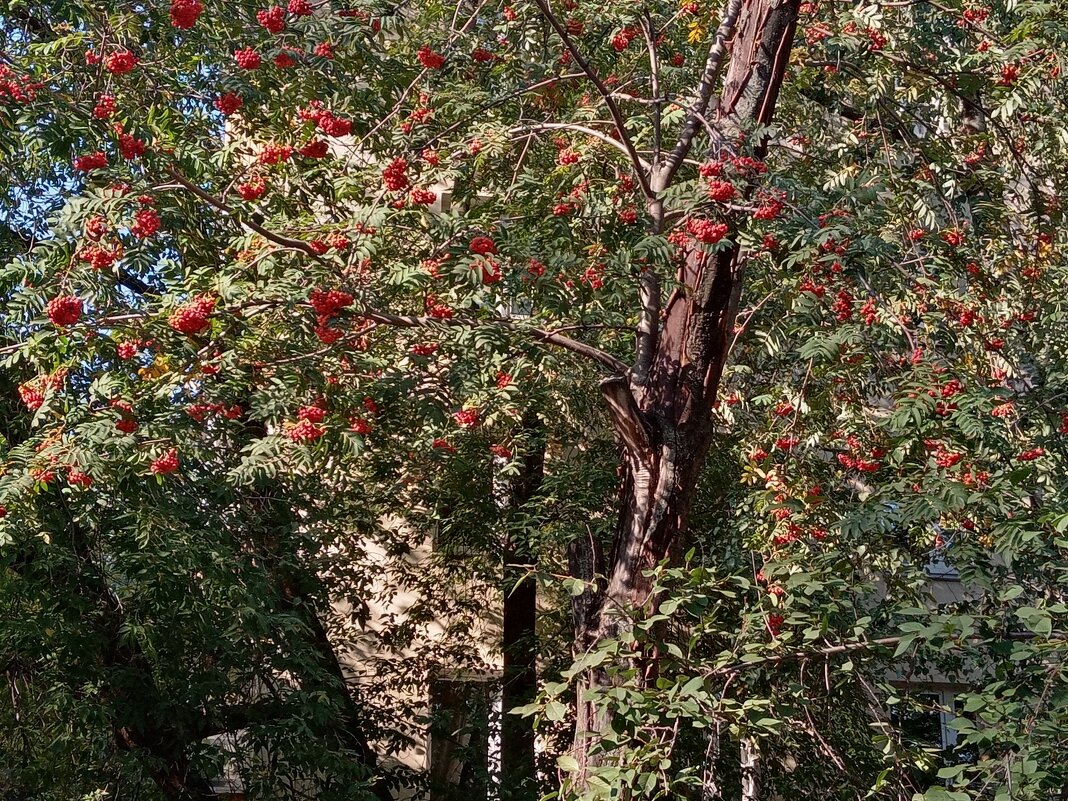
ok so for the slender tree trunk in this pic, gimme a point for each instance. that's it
(749, 759)
(663, 415)
(519, 646)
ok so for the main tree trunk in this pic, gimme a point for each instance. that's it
(663, 414)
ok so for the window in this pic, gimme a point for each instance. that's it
(464, 747)
(924, 719)
(937, 567)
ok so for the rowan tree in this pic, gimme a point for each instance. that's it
(714, 324)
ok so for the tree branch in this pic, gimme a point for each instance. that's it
(567, 126)
(654, 83)
(408, 321)
(606, 95)
(665, 172)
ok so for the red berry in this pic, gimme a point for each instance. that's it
(333, 126)
(422, 197)
(316, 149)
(299, 8)
(313, 414)
(306, 431)
(76, 478)
(706, 231)
(721, 191)
(127, 425)
(394, 175)
(467, 418)
(253, 189)
(32, 396)
(130, 147)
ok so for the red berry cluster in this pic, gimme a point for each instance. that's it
(130, 147)
(567, 157)
(483, 56)
(395, 174)
(76, 478)
(105, 107)
(192, 316)
(16, 88)
(91, 161)
(273, 19)
(869, 312)
(184, 13)
(843, 305)
(622, 40)
(466, 418)
(99, 258)
(324, 50)
(721, 191)
(482, 246)
(253, 189)
(327, 304)
(285, 60)
(429, 59)
(299, 8)
(247, 59)
(228, 103)
(128, 349)
(332, 125)
(31, 395)
(272, 153)
(316, 149)
(593, 276)
(306, 431)
(165, 463)
(145, 223)
(437, 309)
(422, 197)
(770, 207)
(706, 231)
(857, 459)
(64, 310)
(120, 62)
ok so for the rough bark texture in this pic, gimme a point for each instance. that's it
(519, 645)
(663, 420)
